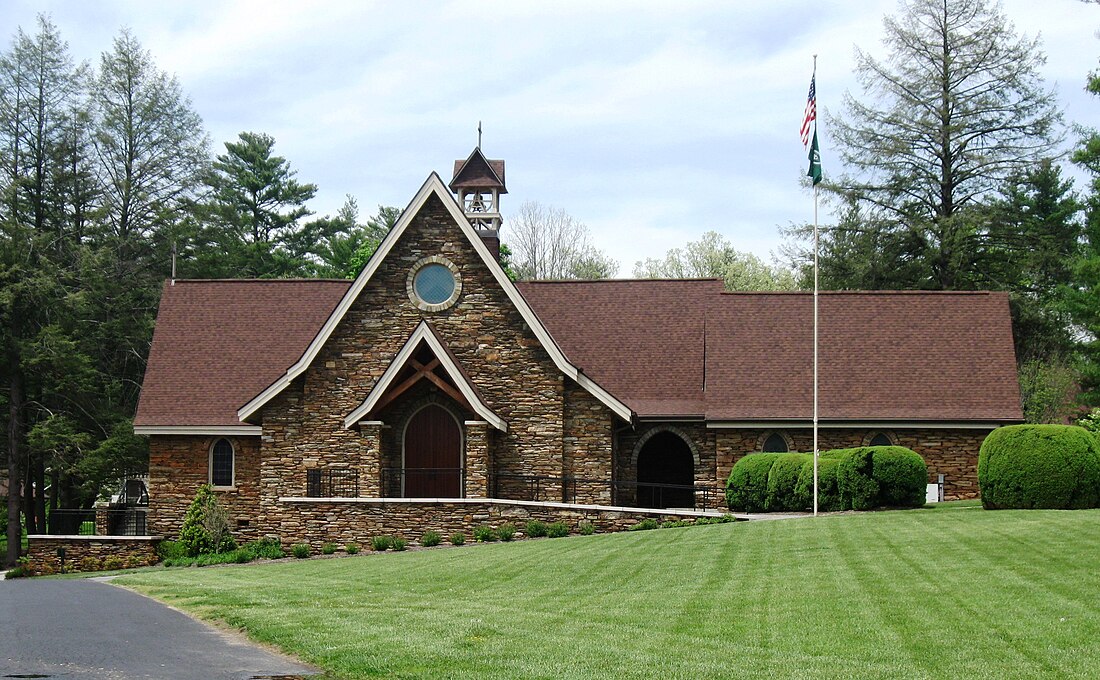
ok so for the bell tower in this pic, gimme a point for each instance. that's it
(478, 185)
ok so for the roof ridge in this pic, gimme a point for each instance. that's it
(295, 280)
(624, 280)
(862, 292)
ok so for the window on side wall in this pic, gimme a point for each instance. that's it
(221, 463)
(775, 443)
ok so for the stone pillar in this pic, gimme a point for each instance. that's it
(477, 459)
(102, 521)
(370, 468)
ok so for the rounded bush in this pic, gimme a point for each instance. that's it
(902, 476)
(747, 488)
(828, 494)
(782, 490)
(1039, 466)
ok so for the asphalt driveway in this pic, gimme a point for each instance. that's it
(82, 628)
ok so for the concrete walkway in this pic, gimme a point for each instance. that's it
(84, 628)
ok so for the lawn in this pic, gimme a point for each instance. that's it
(952, 592)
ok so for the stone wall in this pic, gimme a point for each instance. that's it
(90, 553)
(587, 451)
(179, 465)
(319, 522)
(951, 452)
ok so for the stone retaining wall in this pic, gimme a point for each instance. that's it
(342, 521)
(90, 553)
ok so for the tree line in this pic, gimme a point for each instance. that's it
(106, 179)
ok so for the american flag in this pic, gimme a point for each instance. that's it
(811, 113)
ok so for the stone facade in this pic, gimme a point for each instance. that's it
(179, 465)
(90, 553)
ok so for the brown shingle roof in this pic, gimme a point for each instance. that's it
(478, 171)
(652, 344)
(219, 343)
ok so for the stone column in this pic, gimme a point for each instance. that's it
(477, 459)
(370, 468)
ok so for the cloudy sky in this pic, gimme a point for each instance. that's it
(651, 122)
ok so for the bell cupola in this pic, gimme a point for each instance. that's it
(478, 185)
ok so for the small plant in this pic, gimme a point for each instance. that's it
(398, 543)
(328, 549)
(586, 528)
(675, 523)
(266, 548)
(21, 570)
(458, 538)
(644, 525)
(300, 550)
(485, 534)
(112, 563)
(557, 530)
(535, 529)
(90, 564)
(169, 550)
(195, 533)
(430, 539)
(352, 548)
(381, 543)
(506, 532)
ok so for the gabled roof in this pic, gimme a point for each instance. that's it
(433, 186)
(218, 343)
(478, 171)
(424, 333)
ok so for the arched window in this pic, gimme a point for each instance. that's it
(221, 463)
(881, 439)
(775, 443)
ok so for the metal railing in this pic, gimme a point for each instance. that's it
(332, 483)
(422, 482)
(621, 492)
(97, 522)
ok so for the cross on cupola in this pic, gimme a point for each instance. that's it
(478, 184)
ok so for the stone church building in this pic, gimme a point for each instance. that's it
(432, 392)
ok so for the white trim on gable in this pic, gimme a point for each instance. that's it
(424, 332)
(434, 185)
(229, 430)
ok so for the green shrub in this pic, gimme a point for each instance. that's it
(675, 524)
(21, 571)
(381, 543)
(485, 534)
(300, 550)
(430, 539)
(535, 529)
(112, 563)
(170, 550)
(586, 528)
(352, 548)
(1039, 466)
(398, 543)
(265, 548)
(203, 514)
(747, 487)
(458, 538)
(855, 478)
(328, 549)
(902, 477)
(644, 525)
(828, 494)
(557, 530)
(90, 564)
(782, 491)
(506, 532)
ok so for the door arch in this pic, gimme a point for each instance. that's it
(666, 458)
(432, 454)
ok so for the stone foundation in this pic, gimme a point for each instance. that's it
(357, 520)
(90, 553)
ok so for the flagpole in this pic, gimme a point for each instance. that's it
(815, 314)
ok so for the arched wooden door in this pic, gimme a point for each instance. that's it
(666, 473)
(433, 454)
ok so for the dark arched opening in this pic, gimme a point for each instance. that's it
(666, 473)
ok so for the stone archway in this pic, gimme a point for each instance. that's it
(666, 471)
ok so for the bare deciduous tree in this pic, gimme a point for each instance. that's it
(549, 243)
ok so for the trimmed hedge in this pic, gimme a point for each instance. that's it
(828, 494)
(848, 479)
(1039, 466)
(782, 487)
(747, 488)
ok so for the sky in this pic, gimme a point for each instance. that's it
(651, 122)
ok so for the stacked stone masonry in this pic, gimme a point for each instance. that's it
(89, 553)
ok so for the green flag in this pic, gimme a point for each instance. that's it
(815, 161)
